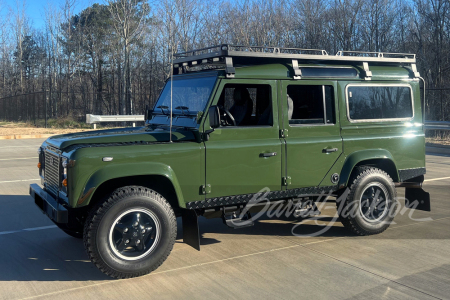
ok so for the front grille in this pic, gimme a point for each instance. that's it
(52, 172)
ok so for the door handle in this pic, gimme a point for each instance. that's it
(329, 150)
(268, 154)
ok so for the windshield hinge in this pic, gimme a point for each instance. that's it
(205, 189)
(286, 181)
(229, 69)
(283, 133)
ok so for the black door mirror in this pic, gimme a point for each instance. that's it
(214, 116)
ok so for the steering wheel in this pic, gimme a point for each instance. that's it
(228, 115)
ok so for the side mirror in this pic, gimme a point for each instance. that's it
(214, 117)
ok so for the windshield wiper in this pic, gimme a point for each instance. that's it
(163, 107)
(183, 108)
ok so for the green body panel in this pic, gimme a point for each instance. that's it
(233, 162)
(360, 156)
(306, 163)
(181, 162)
(230, 160)
(123, 135)
(404, 140)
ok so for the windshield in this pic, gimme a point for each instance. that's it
(190, 95)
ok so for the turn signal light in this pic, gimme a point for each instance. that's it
(39, 165)
(64, 182)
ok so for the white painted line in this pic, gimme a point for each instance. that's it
(39, 228)
(2, 159)
(435, 179)
(28, 229)
(20, 180)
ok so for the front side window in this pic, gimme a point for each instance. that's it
(310, 104)
(246, 105)
(379, 102)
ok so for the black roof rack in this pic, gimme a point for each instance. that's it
(225, 54)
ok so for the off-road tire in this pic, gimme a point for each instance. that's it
(349, 208)
(101, 219)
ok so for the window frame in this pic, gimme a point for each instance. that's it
(323, 106)
(379, 85)
(248, 126)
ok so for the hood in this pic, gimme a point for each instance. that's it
(121, 136)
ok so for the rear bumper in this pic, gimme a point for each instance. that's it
(48, 205)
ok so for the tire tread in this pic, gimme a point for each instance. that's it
(98, 211)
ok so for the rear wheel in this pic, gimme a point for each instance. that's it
(131, 233)
(369, 207)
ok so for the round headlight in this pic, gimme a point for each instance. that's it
(65, 163)
(39, 151)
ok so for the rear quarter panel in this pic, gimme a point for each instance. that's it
(404, 140)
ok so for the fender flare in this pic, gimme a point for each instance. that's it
(117, 171)
(363, 155)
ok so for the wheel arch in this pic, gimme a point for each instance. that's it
(379, 158)
(158, 177)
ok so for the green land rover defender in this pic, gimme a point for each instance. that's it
(235, 127)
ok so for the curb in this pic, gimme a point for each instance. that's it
(437, 150)
(25, 136)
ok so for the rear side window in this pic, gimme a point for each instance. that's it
(370, 103)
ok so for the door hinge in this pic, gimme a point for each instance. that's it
(205, 189)
(283, 133)
(286, 181)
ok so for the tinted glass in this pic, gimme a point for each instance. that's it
(329, 104)
(307, 104)
(329, 72)
(379, 102)
(250, 105)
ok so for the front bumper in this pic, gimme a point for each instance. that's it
(49, 206)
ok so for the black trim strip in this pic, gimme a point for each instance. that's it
(273, 195)
(406, 174)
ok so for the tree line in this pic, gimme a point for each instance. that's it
(113, 57)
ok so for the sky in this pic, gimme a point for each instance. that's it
(35, 9)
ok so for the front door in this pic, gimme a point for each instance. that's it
(313, 140)
(244, 155)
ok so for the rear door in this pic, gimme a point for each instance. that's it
(313, 140)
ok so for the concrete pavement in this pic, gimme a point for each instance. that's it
(409, 261)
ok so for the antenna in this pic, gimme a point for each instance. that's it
(171, 94)
(171, 80)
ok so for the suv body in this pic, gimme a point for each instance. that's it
(280, 124)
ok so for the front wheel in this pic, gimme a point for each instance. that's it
(369, 207)
(131, 233)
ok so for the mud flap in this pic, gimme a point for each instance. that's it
(417, 199)
(191, 234)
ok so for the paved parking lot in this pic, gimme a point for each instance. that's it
(411, 260)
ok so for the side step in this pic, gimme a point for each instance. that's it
(236, 219)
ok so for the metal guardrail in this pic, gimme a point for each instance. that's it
(437, 125)
(95, 119)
